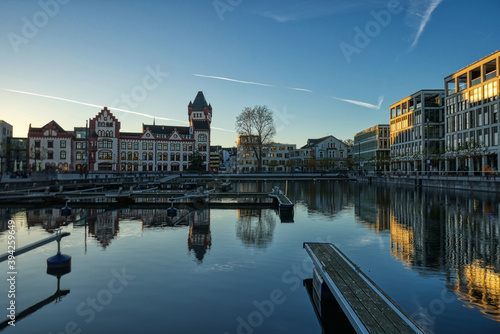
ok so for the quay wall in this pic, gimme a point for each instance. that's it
(489, 184)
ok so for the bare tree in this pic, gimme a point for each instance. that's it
(256, 126)
(349, 142)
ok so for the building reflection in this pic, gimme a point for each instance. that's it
(103, 226)
(326, 197)
(443, 232)
(255, 228)
(200, 237)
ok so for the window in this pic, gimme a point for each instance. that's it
(136, 146)
(202, 138)
(105, 155)
(50, 155)
(62, 155)
(124, 145)
(144, 146)
(50, 144)
(37, 144)
(78, 156)
(63, 143)
(144, 155)
(150, 146)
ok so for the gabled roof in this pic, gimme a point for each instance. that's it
(51, 124)
(316, 141)
(199, 102)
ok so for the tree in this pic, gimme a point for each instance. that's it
(256, 126)
(197, 163)
(349, 142)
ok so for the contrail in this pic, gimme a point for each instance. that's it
(232, 80)
(359, 103)
(92, 105)
(300, 89)
(426, 16)
(363, 104)
(97, 106)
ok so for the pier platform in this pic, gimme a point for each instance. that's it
(367, 307)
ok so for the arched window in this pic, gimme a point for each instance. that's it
(172, 156)
(124, 156)
(165, 156)
(129, 156)
(150, 156)
(159, 156)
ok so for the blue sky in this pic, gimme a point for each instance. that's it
(306, 60)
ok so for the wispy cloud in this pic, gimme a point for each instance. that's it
(363, 104)
(232, 80)
(421, 10)
(292, 10)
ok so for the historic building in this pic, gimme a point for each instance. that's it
(49, 147)
(417, 131)
(104, 148)
(322, 153)
(371, 148)
(472, 103)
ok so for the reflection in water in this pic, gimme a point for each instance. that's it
(480, 286)
(200, 237)
(437, 231)
(451, 235)
(255, 227)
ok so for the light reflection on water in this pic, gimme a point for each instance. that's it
(436, 253)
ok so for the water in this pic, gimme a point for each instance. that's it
(436, 253)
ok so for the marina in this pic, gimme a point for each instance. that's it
(442, 273)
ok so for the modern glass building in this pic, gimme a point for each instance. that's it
(472, 102)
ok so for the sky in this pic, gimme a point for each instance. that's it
(329, 67)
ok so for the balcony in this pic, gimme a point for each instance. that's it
(475, 81)
(490, 75)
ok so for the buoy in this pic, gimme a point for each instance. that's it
(59, 264)
(66, 211)
(171, 212)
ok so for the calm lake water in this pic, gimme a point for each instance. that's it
(436, 253)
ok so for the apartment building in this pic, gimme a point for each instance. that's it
(417, 132)
(371, 148)
(472, 103)
(5, 134)
(322, 153)
(275, 156)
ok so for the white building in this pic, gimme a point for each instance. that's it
(5, 133)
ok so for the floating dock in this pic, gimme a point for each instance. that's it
(367, 307)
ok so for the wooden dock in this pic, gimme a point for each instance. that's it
(366, 306)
